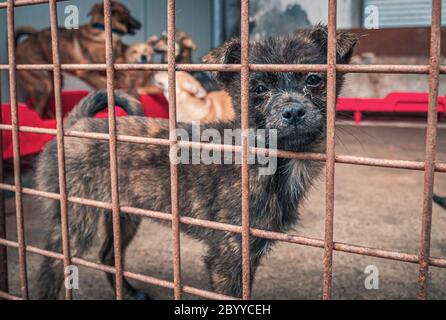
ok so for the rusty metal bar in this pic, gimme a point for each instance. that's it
(244, 92)
(5, 295)
(19, 3)
(116, 218)
(3, 250)
(431, 142)
(60, 143)
(344, 68)
(173, 148)
(344, 159)
(331, 155)
(387, 124)
(16, 152)
(289, 238)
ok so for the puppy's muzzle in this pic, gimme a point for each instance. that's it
(294, 113)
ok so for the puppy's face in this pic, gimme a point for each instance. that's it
(139, 53)
(122, 21)
(293, 104)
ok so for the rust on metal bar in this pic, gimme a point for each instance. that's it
(387, 124)
(5, 295)
(244, 91)
(344, 68)
(330, 161)
(344, 159)
(3, 251)
(16, 152)
(60, 143)
(19, 3)
(176, 251)
(116, 218)
(431, 142)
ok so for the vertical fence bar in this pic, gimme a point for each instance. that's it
(16, 151)
(431, 142)
(3, 249)
(116, 219)
(60, 142)
(244, 90)
(330, 163)
(176, 252)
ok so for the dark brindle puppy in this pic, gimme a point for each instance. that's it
(84, 45)
(292, 103)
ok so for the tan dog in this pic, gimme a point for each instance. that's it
(80, 46)
(184, 46)
(139, 82)
(194, 103)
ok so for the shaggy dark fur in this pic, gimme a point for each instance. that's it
(292, 103)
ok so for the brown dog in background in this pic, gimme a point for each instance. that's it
(184, 46)
(80, 46)
(137, 82)
(194, 103)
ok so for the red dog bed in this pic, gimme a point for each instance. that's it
(155, 106)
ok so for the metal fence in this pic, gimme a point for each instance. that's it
(429, 166)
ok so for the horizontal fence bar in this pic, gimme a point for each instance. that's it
(7, 296)
(344, 68)
(344, 159)
(20, 3)
(387, 124)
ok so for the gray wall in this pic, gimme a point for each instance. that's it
(193, 16)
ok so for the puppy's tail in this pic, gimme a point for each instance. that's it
(97, 101)
(24, 31)
(441, 201)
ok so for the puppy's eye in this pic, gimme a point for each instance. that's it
(260, 90)
(313, 80)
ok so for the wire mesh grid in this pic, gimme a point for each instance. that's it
(429, 166)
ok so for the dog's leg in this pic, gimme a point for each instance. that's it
(50, 273)
(224, 263)
(83, 227)
(39, 86)
(129, 226)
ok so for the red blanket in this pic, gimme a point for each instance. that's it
(155, 106)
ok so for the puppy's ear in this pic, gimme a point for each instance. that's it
(345, 42)
(228, 53)
(345, 45)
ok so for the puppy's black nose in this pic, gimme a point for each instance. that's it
(144, 58)
(293, 113)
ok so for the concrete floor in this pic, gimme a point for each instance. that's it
(373, 207)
